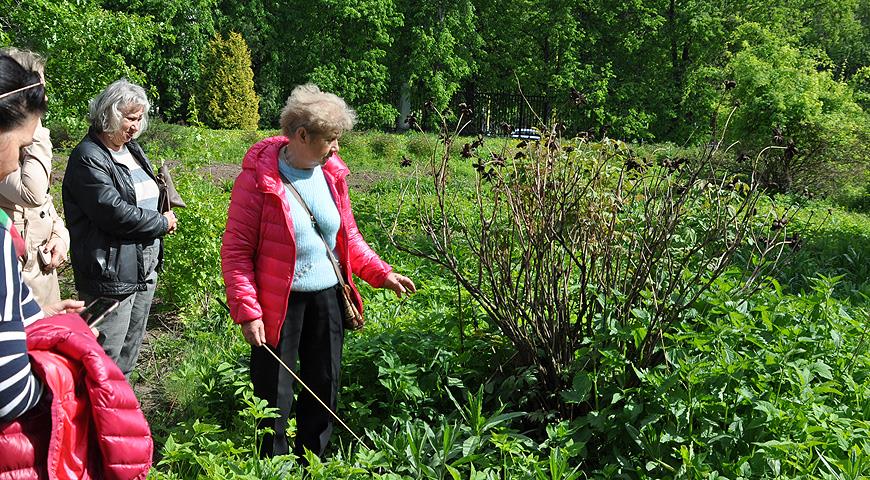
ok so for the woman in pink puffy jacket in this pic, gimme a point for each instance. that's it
(281, 284)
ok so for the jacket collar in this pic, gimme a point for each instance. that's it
(132, 146)
(95, 137)
(262, 157)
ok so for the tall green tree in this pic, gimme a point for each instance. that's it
(264, 26)
(818, 131)
(228, 98)
(173, 64)
(437, 47)
(542, 48)
(841, 29)
(343, 52)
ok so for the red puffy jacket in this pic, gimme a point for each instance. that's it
(92, 429)
(259, 250)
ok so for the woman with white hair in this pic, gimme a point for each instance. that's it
(110, 198)
(290, 244)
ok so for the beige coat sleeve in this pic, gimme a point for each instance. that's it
(28, 187)
(58, 227)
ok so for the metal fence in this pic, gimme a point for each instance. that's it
(492, 110)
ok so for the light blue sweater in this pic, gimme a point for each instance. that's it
(313, 268)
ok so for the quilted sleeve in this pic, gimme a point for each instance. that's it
(240, 242)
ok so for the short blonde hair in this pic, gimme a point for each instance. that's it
(27, 59)
(319, 113)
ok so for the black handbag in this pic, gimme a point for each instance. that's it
(169, 197)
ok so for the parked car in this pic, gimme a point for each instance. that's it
(526, 133)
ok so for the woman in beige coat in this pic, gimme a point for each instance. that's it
(24, 195)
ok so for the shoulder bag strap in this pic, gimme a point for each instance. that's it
(329, 252)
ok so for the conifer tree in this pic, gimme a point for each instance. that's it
(228, 99)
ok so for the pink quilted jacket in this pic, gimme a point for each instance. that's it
(92, 426)
(259, 253)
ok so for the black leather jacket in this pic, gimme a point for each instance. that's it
(107, 230)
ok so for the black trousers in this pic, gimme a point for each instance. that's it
(313, 334)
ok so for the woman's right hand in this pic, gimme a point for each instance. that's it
(64, 306)
(57, 249)
(254, 332)
(173, 222)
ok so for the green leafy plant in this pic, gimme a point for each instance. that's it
(586, 256)
(192, 278)
(385, 146)
(819, 132)
(760, 382)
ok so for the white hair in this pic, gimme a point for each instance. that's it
(104, 110)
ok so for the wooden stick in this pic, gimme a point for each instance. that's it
(269, 349)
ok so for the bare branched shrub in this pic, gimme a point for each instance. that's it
(583, 254)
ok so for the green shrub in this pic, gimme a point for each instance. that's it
(835, 244)
(354, 143)
(228, 99)
(422, 145)
(755, 386)
(858, 199)
(162, 140)
(386, 146)
(197, 147)
(860, 82)
(192, 276)
(66, 132)
(544, 230)
(818, 132)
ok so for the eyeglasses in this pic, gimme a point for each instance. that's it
(13, 92)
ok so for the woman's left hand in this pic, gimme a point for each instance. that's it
(173, 221)
(399, 284)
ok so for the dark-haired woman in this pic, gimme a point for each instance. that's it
(22, 103)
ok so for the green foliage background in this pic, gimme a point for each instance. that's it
(769, 384)
(647, 68)
(80, 40)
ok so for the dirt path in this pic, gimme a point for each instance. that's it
(358, 180)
